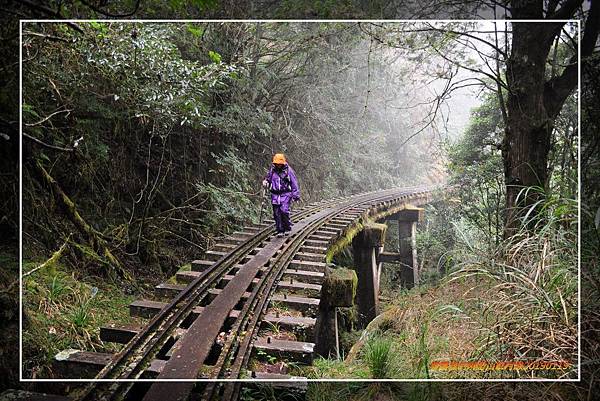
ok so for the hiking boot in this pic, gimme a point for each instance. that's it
(279, 235)
(286, 234)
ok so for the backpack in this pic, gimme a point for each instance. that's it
(285, 180)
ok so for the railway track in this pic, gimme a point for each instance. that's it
(254, 293)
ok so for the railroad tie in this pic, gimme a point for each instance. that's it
(214, 255)
(308, 265)
(309, 257)
(223, 247)
(296, 287)
(78, 364)
(296, 351)
(305, 276)
(235, 239)
(313, 249)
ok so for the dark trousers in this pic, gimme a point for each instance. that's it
(282, 219)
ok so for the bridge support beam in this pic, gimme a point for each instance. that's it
(407, 245)
(366, 247)
(337, 290)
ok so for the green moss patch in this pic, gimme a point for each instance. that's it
(344, 241)
(339, 288)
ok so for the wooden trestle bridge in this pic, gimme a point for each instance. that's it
(253, 293)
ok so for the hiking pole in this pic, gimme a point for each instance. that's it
(262, 204)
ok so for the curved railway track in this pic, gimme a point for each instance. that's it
(213, 323)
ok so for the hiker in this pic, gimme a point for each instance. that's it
(282, 182)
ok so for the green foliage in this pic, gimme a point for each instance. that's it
(436, 238)
(196, 31)
(228, 202)
(378, 356)
(80, 315)
(57, 288)
(262, 355)
(330, 368)
(162, 112)
(63, 312)
(539, 264)
(476, 173)
(214, 56)
(149, 60)
(424, 352)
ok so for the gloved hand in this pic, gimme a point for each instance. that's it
(265, 183)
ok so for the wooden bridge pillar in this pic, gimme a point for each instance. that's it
(366, 247)
(407, 245)
(337, 290)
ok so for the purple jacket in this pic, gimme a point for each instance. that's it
(284, 186)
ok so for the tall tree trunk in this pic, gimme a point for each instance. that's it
(533, 103)
(529, 126)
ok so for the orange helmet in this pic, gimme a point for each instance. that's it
(279, 158)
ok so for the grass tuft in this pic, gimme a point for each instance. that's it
(62, 311)
(378, 357)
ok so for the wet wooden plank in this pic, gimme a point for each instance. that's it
(312, 242)
(290, 322)
(244, 234)
(305, 276)
(389, 257)
(313, 249)
(236, 239)
(311, 290)
(190, 352)
(223, 247)
(298, 383)
(168, 290)
(147, 309)
(214, 255)
(76, 364)
(202, 265)
(302, 304)
(252, 229)
(186, 277)
(296, 351)
(318, 237)
(341, 225)
(342, 220)
(307, 266)
(310, 257)
(331, 232)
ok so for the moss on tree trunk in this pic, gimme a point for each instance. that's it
(98, 244)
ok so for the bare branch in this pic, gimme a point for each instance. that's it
(49, 37)
(31, 138)
(49, 117)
